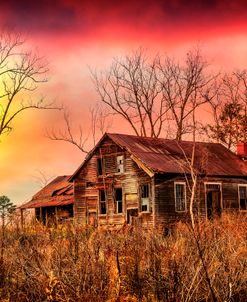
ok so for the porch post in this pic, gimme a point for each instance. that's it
(22, 219)
(46, 217)
(56, 215)
(40, 215)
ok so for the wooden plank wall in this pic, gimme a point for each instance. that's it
(87, 185)
(164, 201)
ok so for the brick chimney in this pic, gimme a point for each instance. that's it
(242, 150)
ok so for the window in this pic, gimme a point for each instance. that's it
(119, 200)
(180, 197)
(100, 165)
(90, 184)
(144, 198)
(102, 202)
(120, 164)
(242, 192)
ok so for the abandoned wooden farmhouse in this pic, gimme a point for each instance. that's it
(126, 178)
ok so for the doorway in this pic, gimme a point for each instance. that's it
(213, 200)
(92, 219)
(132, 215)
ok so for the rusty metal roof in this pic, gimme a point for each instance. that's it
(160, 155)
(57, 193)
(172, 156)
(48, 202)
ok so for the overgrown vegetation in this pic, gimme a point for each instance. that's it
(80, 264)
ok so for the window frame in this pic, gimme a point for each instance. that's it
(100, 166)
(102, 201)
(206, 191)
(245, 186)
(175, 196)
(116, 202)
(141, 198)
(119, 157)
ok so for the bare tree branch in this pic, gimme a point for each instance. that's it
(180, 83)
(148, 93)
(100, 121)
(67, 135)
(42, 179)
(21, 73)
(130, 88)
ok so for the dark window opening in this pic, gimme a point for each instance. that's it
(100, 166)
(132, 215)
(119, 200)
(102, 202)
(144, 198)
(213, 200)
(243, 197)
(90, 184)
(180, 204)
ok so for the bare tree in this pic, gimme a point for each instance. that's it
(132, 90)
(42, 179)
(148, 93)
(185, 88)
(241, 83)
(67, 134)
(99, 123)
(20, 74)
(193, 184)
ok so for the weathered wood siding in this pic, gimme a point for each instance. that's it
(88, 184)
(164, 201)
(162, 212)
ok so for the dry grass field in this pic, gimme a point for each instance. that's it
(75, 264)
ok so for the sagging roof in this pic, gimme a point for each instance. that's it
(58, 192)
(160, 155)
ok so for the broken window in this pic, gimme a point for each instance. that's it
(180, 197)
(90, 184)
(100, 166)
(119, 200)
(120, 164)
(102, 202)
(242, 189)
(144, 198)
(132, 214)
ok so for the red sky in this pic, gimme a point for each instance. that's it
(76, 35)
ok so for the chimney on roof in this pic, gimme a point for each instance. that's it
(242, 150)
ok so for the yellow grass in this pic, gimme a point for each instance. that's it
(82, 264)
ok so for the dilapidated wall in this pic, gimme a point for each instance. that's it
(101, 173)
(88, 183)
(164, 201)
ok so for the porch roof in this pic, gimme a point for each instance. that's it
(52, 202)
(59, 192)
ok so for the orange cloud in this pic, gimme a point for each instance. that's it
(76, 35)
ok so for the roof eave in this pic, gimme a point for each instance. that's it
(144, 167)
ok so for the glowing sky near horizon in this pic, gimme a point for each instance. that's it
(76, 35)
